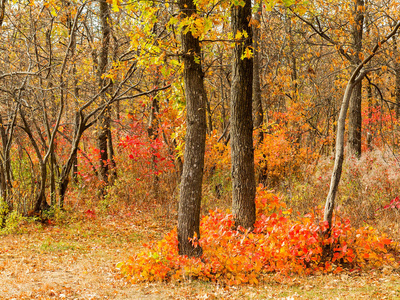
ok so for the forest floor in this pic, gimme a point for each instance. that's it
(75, 258)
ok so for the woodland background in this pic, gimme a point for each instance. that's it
(93, 124)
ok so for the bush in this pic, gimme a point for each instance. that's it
(279, 244)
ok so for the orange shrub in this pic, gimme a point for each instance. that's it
(279, 244)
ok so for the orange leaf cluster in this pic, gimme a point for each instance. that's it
(279, 243)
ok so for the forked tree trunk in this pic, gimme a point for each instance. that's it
(356, 77)
(243, 178)
(192, 175)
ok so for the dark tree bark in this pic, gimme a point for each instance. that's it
(397, 91)
(104, 119)
(257, 103)
(355, 117)
(192, 175)
(80, 127)
(2, 11)
(7, 134)
(370, 107)
(152, 132)
(397, 78)
(243, 178)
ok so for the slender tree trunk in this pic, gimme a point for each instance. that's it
(339, 154)
(66, 169)
(80, 127)
(53, 167)
(75, 157)
(357, 75)
(6, 170)
(2, 11)
(397, 91)
(369, 133)
(397, 79)
(209, 114)
(355, 118)
(193, 164)
(104, 119)
(257, 103)
(153, 134)
(243, 178)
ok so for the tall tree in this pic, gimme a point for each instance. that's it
(355, 117)
(257, 103)
(104, 136)
(243, 178)
(192, 175)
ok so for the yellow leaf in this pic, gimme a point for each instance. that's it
(115, 6)
(238, 35)
(247, 54)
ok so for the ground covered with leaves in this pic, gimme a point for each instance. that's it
(75, 255)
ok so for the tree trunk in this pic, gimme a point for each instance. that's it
(63, 182)
(6, 170)
(243, 178)
(104, 120)
(152, 132)
(257, 103)
(209, 114)
(397, 91)
(397, 79)
(339, 154)
(53, 169)
(370, 107)
(75, 157)
(192, 175)
(2, 11)
(355, 118)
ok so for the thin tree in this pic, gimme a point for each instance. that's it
(358, 74)
(104, 135)
(257, 103)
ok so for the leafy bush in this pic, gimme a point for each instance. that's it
(279, 244)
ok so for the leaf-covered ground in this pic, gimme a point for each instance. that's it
(75, 258)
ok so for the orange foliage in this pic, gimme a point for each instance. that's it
(284, 149)
(279, 244)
